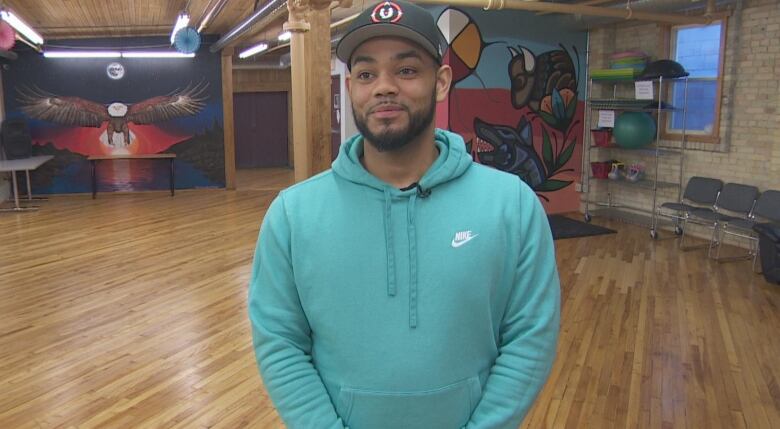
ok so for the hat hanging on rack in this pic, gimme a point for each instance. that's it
(7, 36)
(186, 40)
(666, 69)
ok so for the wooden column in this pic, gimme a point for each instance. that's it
(309, 23)
(227, 121)
(319, 100)
(298, 26)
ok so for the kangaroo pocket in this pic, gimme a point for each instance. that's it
(448, 407)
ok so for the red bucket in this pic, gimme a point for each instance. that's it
(600, 169)
(601, 137)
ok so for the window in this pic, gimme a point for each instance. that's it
(699, 49)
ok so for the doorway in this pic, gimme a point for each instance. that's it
(261, 129)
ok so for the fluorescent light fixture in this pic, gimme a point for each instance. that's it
(115, 54)
(81, 54)
(21, 27)
(181, 21)
(283, 37)
(156, 54)
(260, 47)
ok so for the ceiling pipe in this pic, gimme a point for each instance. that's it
(334, 40)
(585, 3)
(578, 9)
(280, 11)
(545, 8)
(211, 12)
(246, 24)
(719, 9)
(264, 23)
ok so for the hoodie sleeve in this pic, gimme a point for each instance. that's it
(281, 334)
(528, 333)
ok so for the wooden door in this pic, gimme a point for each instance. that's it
(261, 129)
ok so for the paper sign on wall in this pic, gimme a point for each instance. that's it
(606, 118)
(643, 90)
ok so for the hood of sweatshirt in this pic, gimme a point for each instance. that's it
(453, 161)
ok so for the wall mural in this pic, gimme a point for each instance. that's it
(82, 107)
(527, 120)
(116, 117)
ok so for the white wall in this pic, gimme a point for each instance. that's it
(347, 125)
(348, 128)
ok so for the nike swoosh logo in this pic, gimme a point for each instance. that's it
(457, 244)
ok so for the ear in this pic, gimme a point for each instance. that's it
(443, 82)
(347, 80)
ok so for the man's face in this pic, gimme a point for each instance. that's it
(394, 86)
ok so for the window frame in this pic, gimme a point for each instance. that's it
(670, 39)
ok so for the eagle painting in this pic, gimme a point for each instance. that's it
(76, 111)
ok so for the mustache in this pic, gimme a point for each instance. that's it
(383, 104)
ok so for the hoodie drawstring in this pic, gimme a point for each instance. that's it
(412, 235)
(391, 287)
(411, 231)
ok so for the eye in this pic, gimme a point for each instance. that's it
(407, 71)
(364, 75)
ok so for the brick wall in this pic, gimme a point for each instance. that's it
(749, 151)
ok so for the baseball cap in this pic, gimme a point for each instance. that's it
(396, 18)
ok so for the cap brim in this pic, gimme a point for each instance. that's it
(356, 37)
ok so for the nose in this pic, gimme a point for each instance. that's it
(385, 85)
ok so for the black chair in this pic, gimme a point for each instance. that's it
(767, 208)
(735, 202)
(769, 245)
(700, 193)
(15, 139)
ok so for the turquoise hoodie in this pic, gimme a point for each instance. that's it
(435, 307)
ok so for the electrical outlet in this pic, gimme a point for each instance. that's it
(578, 187)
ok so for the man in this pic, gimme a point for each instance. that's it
(407, 287)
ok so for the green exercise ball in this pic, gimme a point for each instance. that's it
(634, 130)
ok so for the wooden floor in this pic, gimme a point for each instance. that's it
(129, 311)
(264, 179)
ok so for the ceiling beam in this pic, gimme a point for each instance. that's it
(80, 32)
(538, 6)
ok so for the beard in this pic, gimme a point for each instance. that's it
(388, 140)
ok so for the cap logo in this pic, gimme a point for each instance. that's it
(386, 12)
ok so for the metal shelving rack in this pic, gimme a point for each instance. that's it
(611, 207)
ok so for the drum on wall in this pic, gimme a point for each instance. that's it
(186, 40)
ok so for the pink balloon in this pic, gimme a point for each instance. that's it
(7, 36)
